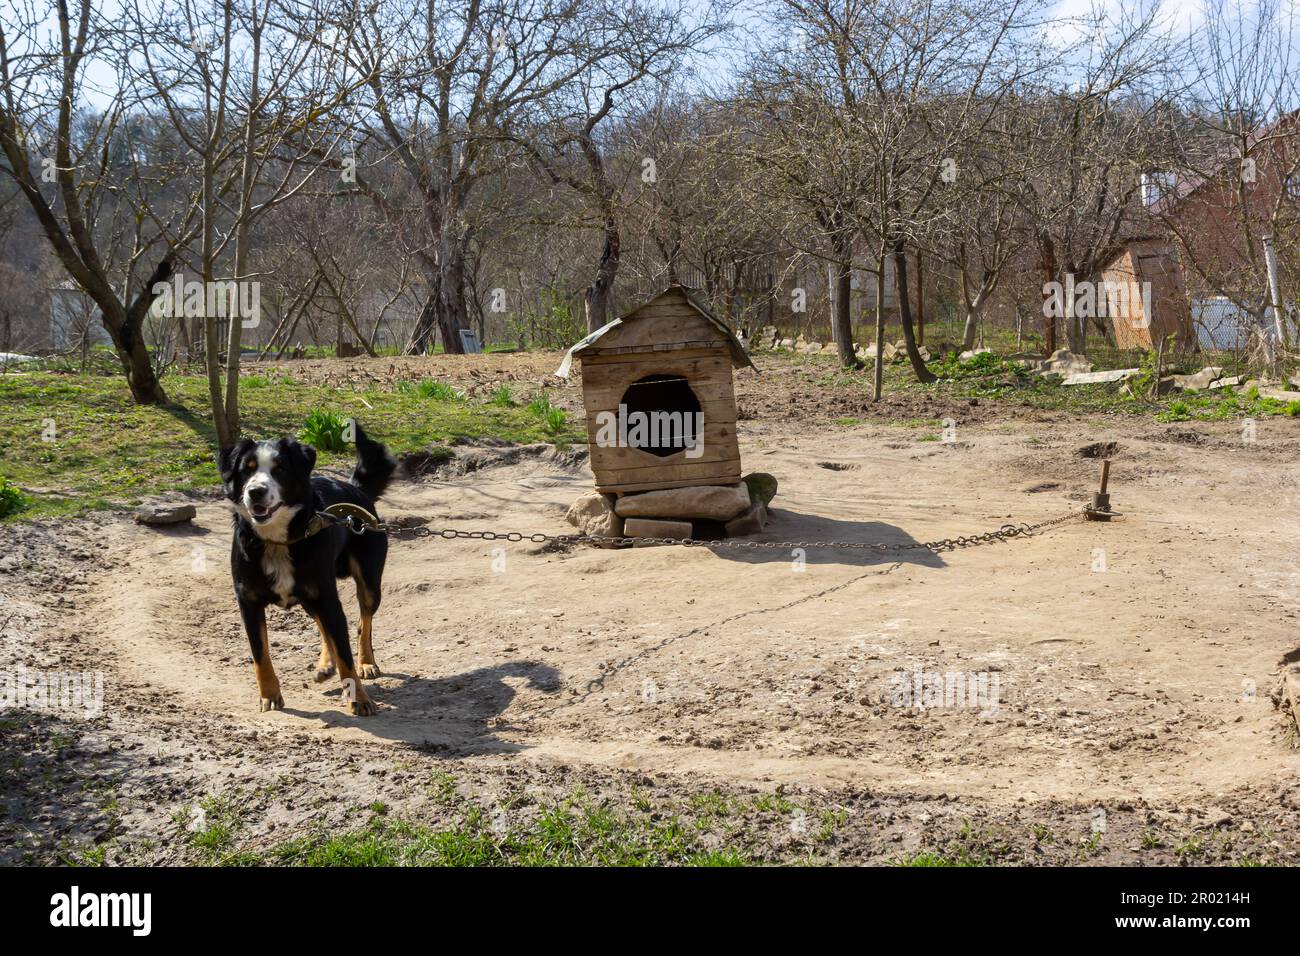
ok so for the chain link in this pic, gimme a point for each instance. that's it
(1004, 533)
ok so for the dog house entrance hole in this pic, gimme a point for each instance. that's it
(662, 434)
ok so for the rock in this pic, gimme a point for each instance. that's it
(1280, 394)
(762, 486)
(890, 352)
(1202, 379)
(1097, 378)
(1030, 360)
(970, 354)
(654, 528)
(786, 344)
(752, 521)
(719, 502)
(1229, 382)
(593, 513)
(869, 351)
(159, 515)
(1257, 383)
(1065, 362)
(923, 352)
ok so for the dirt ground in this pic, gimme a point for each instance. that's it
(1134, 662)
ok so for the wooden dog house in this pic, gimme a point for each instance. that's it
(670, 355)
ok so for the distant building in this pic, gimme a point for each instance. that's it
(74, 319)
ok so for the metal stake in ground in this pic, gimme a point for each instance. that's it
(1100, 510)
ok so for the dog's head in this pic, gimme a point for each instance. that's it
(268, 482)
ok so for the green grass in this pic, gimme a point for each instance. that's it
(1226, 405)
(12, 500)
(988, 376)
(431, 388)
(76, 442)
(928, 858)
(553, 419)
(574, 832)
(219, 818)
(325, 431)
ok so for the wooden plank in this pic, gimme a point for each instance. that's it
(719, 409)
(592, 351)
(697, 466)
(653, 324)
(641, 358)
(702, 369)
(606, 397)
(722, 473)
(719, 442)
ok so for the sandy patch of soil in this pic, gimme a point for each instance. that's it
(1131, 663)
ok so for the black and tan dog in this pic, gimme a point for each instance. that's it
(280, 556)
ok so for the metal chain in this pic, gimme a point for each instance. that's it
(359, 525)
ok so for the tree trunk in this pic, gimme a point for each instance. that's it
(1047, 263)
(972, 323)
(842, 318)
(920, 301)
(923, 374)
(425, 333)
(975, 312)
(453, 315)
(234, 333)
(1076, 328)
(879, 378)
(127, 333)
(444, 313)
(597, 300)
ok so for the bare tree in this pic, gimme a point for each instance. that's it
(641, 44)
(1103, 121)
(446, 86)
(40, 89)
(1235, 175)
(245, 92)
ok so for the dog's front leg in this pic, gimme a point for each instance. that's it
(325, 666)
(268, 685)
(333, 624)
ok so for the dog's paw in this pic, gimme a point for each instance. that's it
(325, 673)
(365, 707)
(368, 671)
(273, 703)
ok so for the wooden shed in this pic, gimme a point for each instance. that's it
(1147, 297)
(658, 393)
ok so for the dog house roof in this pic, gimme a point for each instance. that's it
(651, 311)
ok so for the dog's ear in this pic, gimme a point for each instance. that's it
(230, 457)
(304, 456)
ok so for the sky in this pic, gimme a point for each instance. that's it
(718, 63)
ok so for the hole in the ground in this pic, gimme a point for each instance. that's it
(671, 410)
(1100, 449)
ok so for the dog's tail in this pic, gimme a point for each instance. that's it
(375, 466)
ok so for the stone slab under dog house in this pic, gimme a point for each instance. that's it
(670, 355)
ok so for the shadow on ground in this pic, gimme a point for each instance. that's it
(455, 715)
(787, 525)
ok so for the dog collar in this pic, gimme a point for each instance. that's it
(353, 517)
